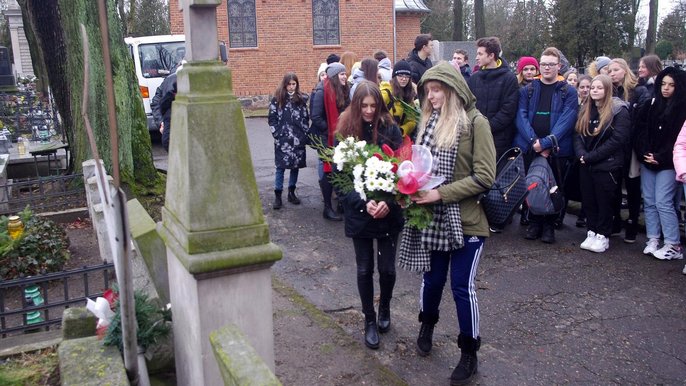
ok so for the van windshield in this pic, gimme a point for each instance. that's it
(158, 59)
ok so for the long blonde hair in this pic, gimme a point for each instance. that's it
(452, 118)
(629, 82)
(604, 109)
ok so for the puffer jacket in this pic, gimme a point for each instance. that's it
(497, 96)
(604, 152)
(407, 125)
(359, 223)
(475, 163)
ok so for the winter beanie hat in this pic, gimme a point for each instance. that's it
(402, 67)
(602, 61)
(334, 69)
(322, 68)
(527, 61)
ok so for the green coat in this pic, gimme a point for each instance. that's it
(475, 165)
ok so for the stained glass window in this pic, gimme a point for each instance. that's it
(325, 22)
(242, 23)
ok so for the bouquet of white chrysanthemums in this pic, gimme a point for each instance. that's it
(368, 169)
(381, 174)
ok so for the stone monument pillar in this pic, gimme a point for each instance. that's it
(219, 253)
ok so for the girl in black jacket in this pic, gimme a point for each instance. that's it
(366, 220)
(602, 135)
(658, 124)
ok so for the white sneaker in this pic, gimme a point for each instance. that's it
(669, 252)
(651, 246)
(684, 271)
(600, 244)
(590, 238)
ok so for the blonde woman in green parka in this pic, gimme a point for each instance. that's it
(400, 88)
(461, 143)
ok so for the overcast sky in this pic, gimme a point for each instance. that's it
(664, 6)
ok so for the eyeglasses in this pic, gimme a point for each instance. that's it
(548, 65)
(403, 76)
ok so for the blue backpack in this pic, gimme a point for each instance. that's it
(544, 197)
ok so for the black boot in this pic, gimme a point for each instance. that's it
(327, 191)
(277, 200)
(630, 231)
(548, 234)
(292, 198)
(426, 333)
(469, 363)
(384, 316)
(533, 231)
(371, 332)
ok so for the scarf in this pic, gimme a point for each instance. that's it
(331, 110)
(444, 233)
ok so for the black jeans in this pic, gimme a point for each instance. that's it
(364, 256)
(599, 193)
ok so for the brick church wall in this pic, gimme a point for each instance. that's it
(285, 43)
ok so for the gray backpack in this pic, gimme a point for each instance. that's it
(544, 197)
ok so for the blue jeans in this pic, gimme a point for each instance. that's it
(292, 178)
(658, 189)
(463, 264)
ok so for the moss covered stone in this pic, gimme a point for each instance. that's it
(238, 362)
(86, 361)
(77, 322)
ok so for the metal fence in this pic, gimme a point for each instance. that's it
(58, 291)
(31, 115)
(43, 194)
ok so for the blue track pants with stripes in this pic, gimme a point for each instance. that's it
(463, 264)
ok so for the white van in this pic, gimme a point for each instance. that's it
(154, 57)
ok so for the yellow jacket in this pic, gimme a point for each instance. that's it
(405, 123)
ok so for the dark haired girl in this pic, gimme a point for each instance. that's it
(367, 220)
(289, 122)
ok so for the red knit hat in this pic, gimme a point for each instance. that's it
(527, 61)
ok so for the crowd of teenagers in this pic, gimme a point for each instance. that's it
(602, 132)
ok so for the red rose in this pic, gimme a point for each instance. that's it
(387, 150)
(395, 167)
(377, 155)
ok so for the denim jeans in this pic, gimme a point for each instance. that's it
(463, 264)
(292, 178)
(658, 204)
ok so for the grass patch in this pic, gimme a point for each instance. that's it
(36, 368)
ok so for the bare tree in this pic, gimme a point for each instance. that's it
(652, 27)
(458, 21)
(479, 19)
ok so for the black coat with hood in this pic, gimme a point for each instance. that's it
(660, 120)
(359, 223)
(497, 97)
(605, 152)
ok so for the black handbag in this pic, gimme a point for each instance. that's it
(508, 191)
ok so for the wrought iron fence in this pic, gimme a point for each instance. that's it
(43, 194)
(31, 115)
(58, 291)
